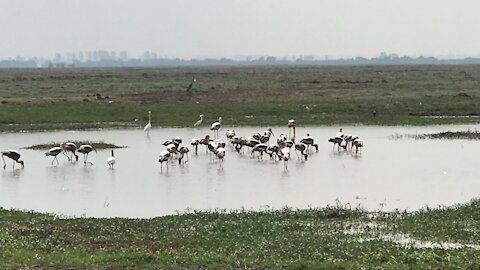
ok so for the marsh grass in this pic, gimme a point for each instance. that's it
(96, 98)
(280, 239)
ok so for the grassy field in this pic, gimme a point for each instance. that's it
(328, 238)
(92, 98)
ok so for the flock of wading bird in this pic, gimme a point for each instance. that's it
(257, 143)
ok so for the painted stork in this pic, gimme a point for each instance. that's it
(70, 147)
(164, 156)
(14, 155)
(216, 126)
(54, 151)
(85, 150)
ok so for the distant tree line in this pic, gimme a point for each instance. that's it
(104, 58)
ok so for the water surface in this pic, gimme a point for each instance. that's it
(388, 174)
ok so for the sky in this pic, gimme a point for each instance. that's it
(236, 28)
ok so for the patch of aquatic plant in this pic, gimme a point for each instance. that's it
(96, 145)
(452, 135)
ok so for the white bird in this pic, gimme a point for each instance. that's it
(14, 155)
(284, 154)
(291, 124)
(216, 126)
(164, 156)
(149, 125)
(358, 144)
(111, 160)
(85, 150)
(54, 151)
(199, 122)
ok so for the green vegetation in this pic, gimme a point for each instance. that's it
(92, 98)
(329, 238)
(95, 145)
(449, 135)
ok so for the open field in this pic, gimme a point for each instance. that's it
(92, 98)
(329, 238)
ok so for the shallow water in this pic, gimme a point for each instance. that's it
(388, 174)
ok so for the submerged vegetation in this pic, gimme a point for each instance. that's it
(465, 135)
(39, 99)
(331, 238)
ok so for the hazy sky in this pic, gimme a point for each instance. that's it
(230, 28)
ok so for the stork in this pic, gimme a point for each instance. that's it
(14, 155)
(336, 140)
(216, 126)
(70, 147)
(149, 125)
(220, 153)
(85, 150)
(164, 156)
(111, 160)
(182, 151)
(358, 144)
(54, 151)
(301, 148)
(261, 148)
(195, 142)
(309, 141)
(199, 122)
(266, 135)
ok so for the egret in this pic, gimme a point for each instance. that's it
(149, 125)
(54, 151)
(291, 124)
(216, 126)
(199, 122)
(111, 160)
(14, 155)
(85, 150)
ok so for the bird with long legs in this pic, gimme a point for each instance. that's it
(216, 126)
(54, 151)
(111, 160)
(14, 155)
(164, 156)
(309, 141)
(300, 147)
(358, 144)
(70, 147)
(148, 126)
(199, 122)
(260, 148)
(85, 149)
(291, 125)
(220, 153)
(195, 142)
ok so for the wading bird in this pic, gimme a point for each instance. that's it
(54, 151)
(111, 160)
(309, 141)
(14, 155)
(164, 156)
(291, 125)
(216, 126)
(199, 122)
(70, 147)
(149, 125)
(85, 150)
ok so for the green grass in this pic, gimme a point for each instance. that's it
(328, 238)
(401, 95)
